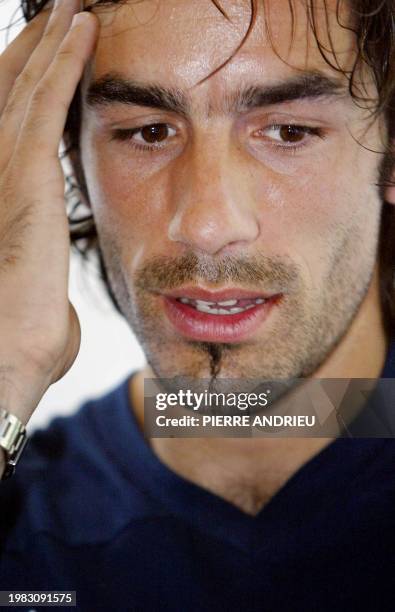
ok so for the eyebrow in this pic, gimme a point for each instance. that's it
(112, 88)
(115, 89)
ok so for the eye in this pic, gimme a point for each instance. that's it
(157, 132)
(289, 135)
(149, 136)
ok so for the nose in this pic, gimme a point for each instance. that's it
(212, 211)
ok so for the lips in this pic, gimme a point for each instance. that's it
(230, 315)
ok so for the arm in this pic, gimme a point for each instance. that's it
(39, 329)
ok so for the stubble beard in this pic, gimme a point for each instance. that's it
(311, 325)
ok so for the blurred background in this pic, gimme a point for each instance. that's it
(109, 351)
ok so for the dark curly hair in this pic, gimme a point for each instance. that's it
(372, 23)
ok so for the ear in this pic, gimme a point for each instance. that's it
(387, 174)
(386, 180)
(389, 190)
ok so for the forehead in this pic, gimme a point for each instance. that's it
(183, 41)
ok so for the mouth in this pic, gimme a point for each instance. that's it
(231, 315)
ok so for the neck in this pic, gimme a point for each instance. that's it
(247, 472)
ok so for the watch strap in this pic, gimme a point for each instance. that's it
(12, 440)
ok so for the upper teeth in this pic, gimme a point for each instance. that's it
(225, 303)
(217, 307)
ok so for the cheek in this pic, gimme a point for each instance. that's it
(124, 197)
(307, 214)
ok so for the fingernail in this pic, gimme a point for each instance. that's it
(77, 19)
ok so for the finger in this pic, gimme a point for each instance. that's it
(13, 113)
(44, 122)
(16, 55)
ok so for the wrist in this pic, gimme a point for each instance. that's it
(21, 391)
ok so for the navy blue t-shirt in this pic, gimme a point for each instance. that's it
(91, 509)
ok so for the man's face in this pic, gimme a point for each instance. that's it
(237, 213)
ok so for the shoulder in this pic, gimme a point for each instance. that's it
(374, 483)
(69, 478)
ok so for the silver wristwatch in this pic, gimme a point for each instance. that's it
(12, 440)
